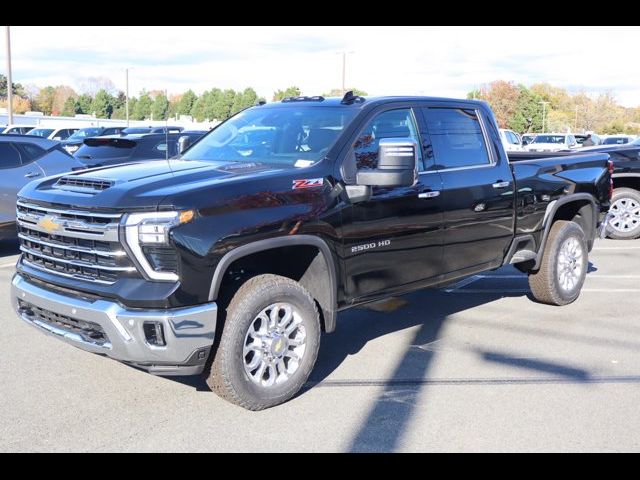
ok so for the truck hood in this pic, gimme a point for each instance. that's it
(139, 185)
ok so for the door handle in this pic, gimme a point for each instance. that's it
(501, 184)
(432, 194)
(32, 175)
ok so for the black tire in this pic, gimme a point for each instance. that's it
(227, 376)
(620, 195)
(545, 283)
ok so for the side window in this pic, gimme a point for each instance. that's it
(512, 137)
(29, 152)
(9, 156)
(391, 124)
(456, 137)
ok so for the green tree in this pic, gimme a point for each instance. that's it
(45, 100)
(83, 104)
(288, 92)
(186, 102)
(142, 109)
(197, 110)
(69, 108)
(17, 88)
(160, 108)
(245, 99)
(527, 116)
(102, 104)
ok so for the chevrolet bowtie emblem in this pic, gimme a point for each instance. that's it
(49, 224)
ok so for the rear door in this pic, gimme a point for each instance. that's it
(478, 188)
(15, 173)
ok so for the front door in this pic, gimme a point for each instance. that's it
(394, 239)
(478, 188)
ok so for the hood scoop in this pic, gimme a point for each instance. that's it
(83, 184)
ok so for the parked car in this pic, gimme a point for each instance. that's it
(24, 158)
(551, 142)
(588, 139)
(74, 142)
(617, 140)
(112, 150)
(625, 203)
(511, 141)
(527, 138)
(53, 133)
(16, 129)
(138, 130)
(350, 201)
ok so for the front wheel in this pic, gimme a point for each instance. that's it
(625, 214)
(564, 265)
(269, 343)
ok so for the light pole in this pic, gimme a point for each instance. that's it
(575, 123)
(9, 79)
(344, 70)
(544, 113)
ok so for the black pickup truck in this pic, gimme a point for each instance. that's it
(232, 259)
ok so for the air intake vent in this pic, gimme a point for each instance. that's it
(84, 183)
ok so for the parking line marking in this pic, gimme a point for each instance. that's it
(523, 290)
(631, 277)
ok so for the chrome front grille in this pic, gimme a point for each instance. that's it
(70, 243)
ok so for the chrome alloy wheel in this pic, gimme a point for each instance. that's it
(570, 264)
(275, 345)
(625, 215)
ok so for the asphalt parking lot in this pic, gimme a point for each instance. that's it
(477, 367)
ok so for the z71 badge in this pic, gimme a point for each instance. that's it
(307, 183)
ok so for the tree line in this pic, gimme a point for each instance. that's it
(103, 100)
(521, 108)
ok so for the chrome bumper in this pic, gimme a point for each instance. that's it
(189, 332)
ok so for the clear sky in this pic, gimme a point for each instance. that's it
(439, 61)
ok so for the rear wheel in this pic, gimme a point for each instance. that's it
(625, 211)
(564, 265)
(269, 343)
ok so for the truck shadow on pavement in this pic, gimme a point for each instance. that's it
(9, 247)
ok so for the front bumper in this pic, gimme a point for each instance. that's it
(188, 332)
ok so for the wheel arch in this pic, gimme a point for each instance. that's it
(579, 207)
(320, 269)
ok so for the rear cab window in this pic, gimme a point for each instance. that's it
(456, 137)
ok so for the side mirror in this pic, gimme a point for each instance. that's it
(183, 144)
(397, 164)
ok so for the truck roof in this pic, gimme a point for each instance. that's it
(365, 102)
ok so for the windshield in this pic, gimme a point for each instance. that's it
(615, 141)
(85, 133)
(293, 137)
(550, 139)
(41, 132)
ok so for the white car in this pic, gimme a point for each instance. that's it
(54, 133)
(16, 129)
(618, 139)
(510, 140)
(552, 142)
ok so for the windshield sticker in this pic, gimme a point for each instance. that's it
(307, 183)
(303, 163)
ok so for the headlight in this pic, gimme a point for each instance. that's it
(147, 236)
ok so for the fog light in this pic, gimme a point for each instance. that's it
(154, 333)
